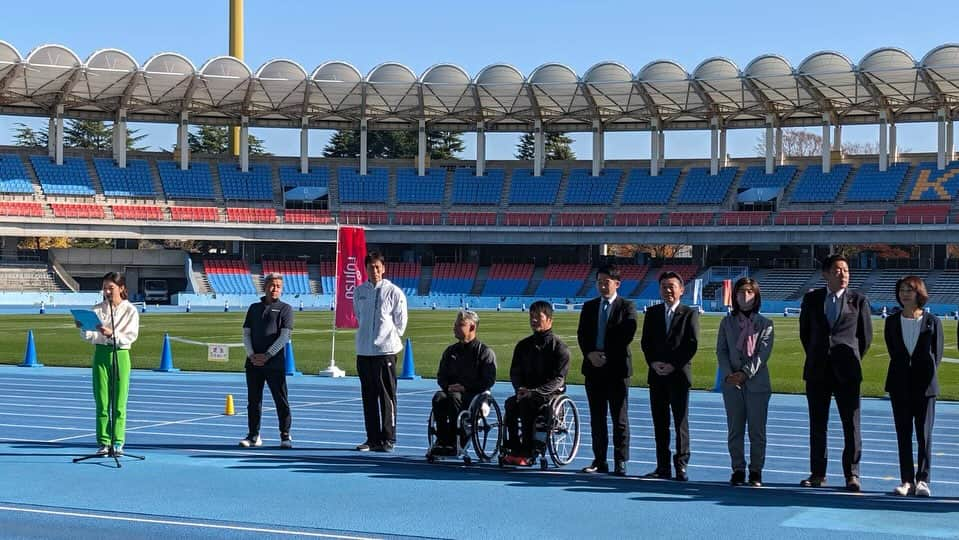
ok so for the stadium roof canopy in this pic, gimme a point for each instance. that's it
(391, 96)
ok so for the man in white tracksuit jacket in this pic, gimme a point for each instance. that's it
(380, 309)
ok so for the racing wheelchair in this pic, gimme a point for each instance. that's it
(556, 435)
(479, 424)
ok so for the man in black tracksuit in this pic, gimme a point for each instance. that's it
(538, 372)
(467, 368)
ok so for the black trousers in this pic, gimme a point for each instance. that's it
(818, 394)
(613, 395)
(522, 412)
(919, 411)
(664, 396)
(378, 387)
(273, 375)
(446, 409)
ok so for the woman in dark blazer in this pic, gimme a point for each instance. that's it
(914, 340)
(743, 348)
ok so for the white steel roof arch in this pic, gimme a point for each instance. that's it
(556, 90)
(106, 79)
(336, 92)
(611, 87)
(390, 90)
(669, 90)
(940, 70)
(446, 91)
(501, 94)
(722, 85)
(279, 89)
(50, 73)
(167, 78)
(895, 76)
(831, 79)
(222, 85)
(774, 80)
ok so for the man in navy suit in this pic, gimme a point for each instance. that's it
(835, 328)
(607, 325)
(670, 339)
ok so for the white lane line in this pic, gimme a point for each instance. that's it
(179, 523)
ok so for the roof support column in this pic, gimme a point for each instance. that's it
(480, 149)
(304, 145)
(826, 145)
(662, 148)
(883, 142)
(714, 146)
(58, 156)
(421, 149)
(780, 153)
(893, 147)
(52, 137)
(120, 139)
(183, 142)
(950, 147)
(837, 139)
(244, 144)
(654, 148)
(539, 147)
(598, 147)
(770, 145)
(722, 147)
(941, 140)
(363, 150)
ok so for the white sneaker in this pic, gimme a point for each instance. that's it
(247, 442)
(922, 489)
(118, 450)
(103, 450)
(906, 488)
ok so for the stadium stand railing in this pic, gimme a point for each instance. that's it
(744, 218)
(636, 219)
(314, 217)
(363, 217)
(589, 219)
(922, 214)
(526, 219)
(799, 217)
(858, 217)
(471, 218)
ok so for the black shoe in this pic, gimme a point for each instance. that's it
(385, 447)
(681, 475)
(661, 474)
(365, 446)
(853, 485)
(620, 468)
(596, 467)
(813, 481)
(738, 478)
(755, 479)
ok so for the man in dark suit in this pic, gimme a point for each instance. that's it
(835, 328)
(670, 339)
(607, 325)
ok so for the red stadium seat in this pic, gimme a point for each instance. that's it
(471, 218)
(743, 218)
(799, 217)
(529, 219)
(193, 213)
(130, 211)
(581, 220)
(636, 219)
(71, 210)
(21, 209)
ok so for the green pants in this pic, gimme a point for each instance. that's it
(101, 392)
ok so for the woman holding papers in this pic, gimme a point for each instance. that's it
(118, 329)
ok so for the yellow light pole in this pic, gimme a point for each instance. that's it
(236, 51)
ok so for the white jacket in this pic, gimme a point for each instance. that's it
(381, 313)
(127, 329)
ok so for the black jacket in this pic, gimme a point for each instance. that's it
(841, 347)
(471, 364)
(540, 363)
(677, 347)
(914, 375)
(620, 330)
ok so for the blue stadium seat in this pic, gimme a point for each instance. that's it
(13, 177)
(756, 177)
(816, 186)
(254, 185)
(585, 189)
(413, 189)
(559, 287)
(528, 189)
(71, 178)
(930, 184)
(372, 188)
(505, 287)
(641, 188)
(193, 183)
(869, 184)
(451, 286)
(316, 177)
(133, 181)
(702, 188)
(471, 189)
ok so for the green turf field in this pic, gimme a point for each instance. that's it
(58, 344)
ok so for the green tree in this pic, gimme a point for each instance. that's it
(393, 144)
(557, 147)
(24, 135)
(92, 134)
(216, 140)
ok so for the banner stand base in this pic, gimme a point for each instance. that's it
(332, 371)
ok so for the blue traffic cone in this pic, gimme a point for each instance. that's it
(166, 357)
(30, 355)
(289, 363)
(409, 370)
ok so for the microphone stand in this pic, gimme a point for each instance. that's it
(113, 391)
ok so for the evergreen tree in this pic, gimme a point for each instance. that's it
(393, 144)
(216, 140)
(24, 135)
(91, 134)
(557, 147)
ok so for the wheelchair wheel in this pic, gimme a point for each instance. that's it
(430, 435)
(486, 429)
(562, 441)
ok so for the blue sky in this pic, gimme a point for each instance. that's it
(476, 34)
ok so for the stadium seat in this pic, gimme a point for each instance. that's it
(372, 188)
(636, 219)
(315, 217)
(140, 212)
(702, 188)
(135, 180)
(363, 217)
(581, 220)
(471, 218)
(507, 279)
(21, 209)
(799, 217)
(817, 186)
(413, 189)
(253, 185)
(526, 219)
(13, 177)
(193, 183)
(251, 215)
(229, 276)
(743, 218)
(292, 177)
(931, 184)
(528, 189)
(194, 213)
(471, 189)
(417, 218)
(858, 217)
(72, 210)
(871, 185)
(563, 280)
(453, 278)
(296, 277)
(70, 179)
(687, 219)
(922, 214)
(641, 188)
(756, 177)
(583, 189)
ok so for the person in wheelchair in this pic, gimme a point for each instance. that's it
(538, 373)
(467, 369)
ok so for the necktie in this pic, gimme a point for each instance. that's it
(601, 328)
(669, 318)
(832, 309)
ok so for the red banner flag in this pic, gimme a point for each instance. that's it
(727, 292)
(350, 273)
